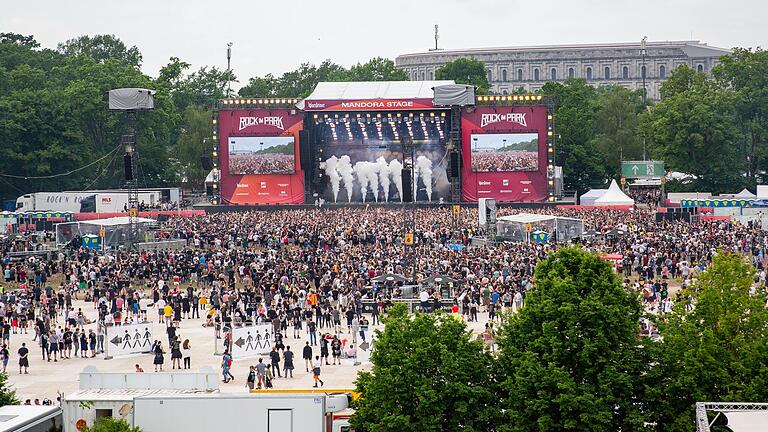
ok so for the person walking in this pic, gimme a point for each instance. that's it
(226, 364)
(176, 353)
(23, 358)
(159, 355)
(274, 357)
(186, 354)
(261, 373)
(288, 362)
(250, 382)
(316, 371)
(6, 355)
(307, 356)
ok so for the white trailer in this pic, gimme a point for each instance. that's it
(30, 418)
(245, 413)
(106, 201)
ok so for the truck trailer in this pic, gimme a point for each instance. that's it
(99, 201)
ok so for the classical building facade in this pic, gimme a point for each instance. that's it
(600, 64)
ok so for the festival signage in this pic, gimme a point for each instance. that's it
(252, 180)
(504, 153)
(367, 104)
(252, 341)
(129, 339)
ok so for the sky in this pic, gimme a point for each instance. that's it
(277, 36)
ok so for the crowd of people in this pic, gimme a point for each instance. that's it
(313, 275)
(505, 161)
(268, 163)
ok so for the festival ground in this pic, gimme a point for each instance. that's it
(48, 379)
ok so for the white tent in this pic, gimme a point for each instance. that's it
(590, 197)
(746, 194)
(614, 197)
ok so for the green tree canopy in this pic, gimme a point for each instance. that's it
(102, 48)
(715, 352)
(571, 357)
(7, 393)
(109, 424)
(427, 376)
(465, 71)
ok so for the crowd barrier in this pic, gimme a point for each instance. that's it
(144, 214)
(593, 207)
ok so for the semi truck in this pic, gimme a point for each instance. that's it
(98, 201)
(30, 418)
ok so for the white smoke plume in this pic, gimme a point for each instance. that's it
(384, 171)
(396, 169)
(373, 179)
(333, 175)
(345, 170)
(424, 171)
(361, 171)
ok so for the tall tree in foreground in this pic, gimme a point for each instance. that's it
(428, 375)
(717, 351)
(572, 358)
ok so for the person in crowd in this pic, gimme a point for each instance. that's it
(186, 353)
(159, 359)
(288, 362)
(307, 356)
(23, 358)
(226, 365)
(316, 371)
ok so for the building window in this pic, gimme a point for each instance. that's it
(589, 73)
(422, 75)
(553, 74)
(570, 72)
(607, 72)
(490, 76)
(700, 68)
(642, 71)
(504, 75)
(504, 91)
(519, 74)
(536, 74)
(662, 72)
(414, 75)
(625, 72)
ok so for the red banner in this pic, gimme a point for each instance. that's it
(368, 104)
(505, 186)
(247, 189)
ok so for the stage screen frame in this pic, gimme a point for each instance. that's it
(475, 155)
(289, 141)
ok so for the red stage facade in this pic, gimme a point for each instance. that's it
(259, 187)
(528, 185)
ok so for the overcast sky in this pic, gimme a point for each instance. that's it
(277, 36)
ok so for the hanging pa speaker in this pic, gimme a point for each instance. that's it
(128, 167)
(205, 161)
(454, 164)
(407, 185)
(305, 156)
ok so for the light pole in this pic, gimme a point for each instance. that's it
(643, 53)
(229, 69)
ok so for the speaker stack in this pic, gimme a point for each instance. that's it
(407, 185)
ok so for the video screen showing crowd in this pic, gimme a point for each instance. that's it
(261, 155)
(362, 156)
(505, 152)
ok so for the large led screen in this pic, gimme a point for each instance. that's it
(505, 152)
(261, 155)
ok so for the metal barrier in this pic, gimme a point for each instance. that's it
(161, 245)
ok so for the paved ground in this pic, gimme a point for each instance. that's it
(47, 379)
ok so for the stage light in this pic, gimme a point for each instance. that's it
(551, 150)
(431, 114)
(527, 97)
(538, 97)
(442, 114)
(335, 116)
(314, 116)
(549, 116)
(551, 182)
(378, 115)
(398, 115)
(552, 198)
(346, 115)
(215, 120)
(549, 133)
(325, 115)
(215, 154)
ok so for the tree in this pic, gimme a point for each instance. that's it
(745, 72)
(693, 131)
(427, 376)
(617, 122)
(102, 48)
(377, 69)
(465, 71)
(7, 393)
(109, 424)
(715, 352)
(201, 88)
(571, 358)
(193, 142)
(577, 105)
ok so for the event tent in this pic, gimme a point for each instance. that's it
(745, 194)
(590, 197)
(614, 197)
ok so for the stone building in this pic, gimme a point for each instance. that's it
(600, 64)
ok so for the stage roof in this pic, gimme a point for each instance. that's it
(371, 95)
